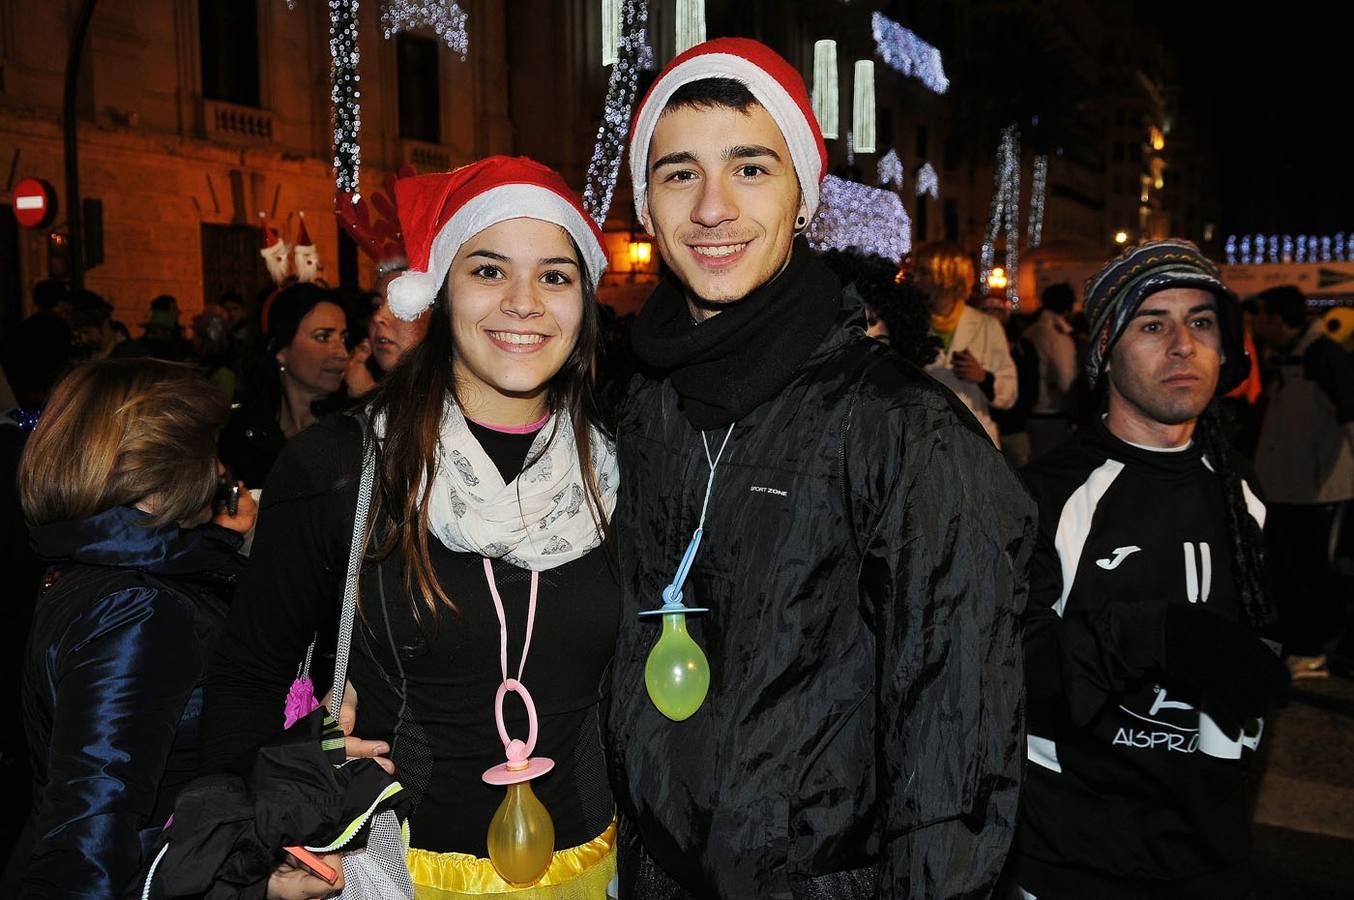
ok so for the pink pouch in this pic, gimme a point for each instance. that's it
(300, 701)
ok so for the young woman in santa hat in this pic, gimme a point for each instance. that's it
(487, 571)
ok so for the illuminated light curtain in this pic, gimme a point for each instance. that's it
(928, 182)
(825, 95)
(611, 31)
(854, 216)
(632, 55)
(445, 17)
(345, 95)
(890, 170)
(690, 24)
(1005, 214)
(1038, 195)
(862, 119)
(902, 51)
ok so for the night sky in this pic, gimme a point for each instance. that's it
(1278, 95)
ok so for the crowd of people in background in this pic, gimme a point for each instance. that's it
(132, 465)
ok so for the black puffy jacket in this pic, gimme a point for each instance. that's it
(864, 562)
(113, 692)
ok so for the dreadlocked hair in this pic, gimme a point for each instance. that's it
(899, 304)
(1248, 556)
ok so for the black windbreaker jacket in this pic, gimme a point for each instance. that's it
(864, 562)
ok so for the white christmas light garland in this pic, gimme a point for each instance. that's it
(345, 95)
(890, 170)
(632, 55)
(854, 216)
(1260, 249)
(928, 182)
(445, 17)
(903, 51)
(1038, 194)
(1005, 213)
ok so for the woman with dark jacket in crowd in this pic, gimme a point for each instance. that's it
(493, 485)
(117, 484)
(294, 375)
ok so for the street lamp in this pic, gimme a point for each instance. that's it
(1121, 237)
(640, 253)
(996, 280)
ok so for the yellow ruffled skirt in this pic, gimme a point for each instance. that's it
(575, 873)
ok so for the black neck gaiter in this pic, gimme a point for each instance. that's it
(728, 365)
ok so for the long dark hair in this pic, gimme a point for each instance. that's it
(411, 399)
(1248, 553)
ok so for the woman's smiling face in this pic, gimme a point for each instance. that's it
(516, 292)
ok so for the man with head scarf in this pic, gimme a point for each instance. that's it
(1145, 671)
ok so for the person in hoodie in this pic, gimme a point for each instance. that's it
(1145, 671)
(863, 555)
(117, 485)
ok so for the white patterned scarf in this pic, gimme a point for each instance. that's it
(539, 521)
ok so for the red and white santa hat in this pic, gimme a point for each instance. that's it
(305, 256)
(440, 212)
(275, 252)
(775, 83)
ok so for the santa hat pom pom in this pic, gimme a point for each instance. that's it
(410, 295)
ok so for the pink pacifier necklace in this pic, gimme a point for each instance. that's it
(521, 834)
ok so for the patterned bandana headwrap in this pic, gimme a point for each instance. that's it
(1115, 293)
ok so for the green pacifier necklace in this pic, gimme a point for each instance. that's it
(677, 674)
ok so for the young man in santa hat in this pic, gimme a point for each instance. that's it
(864, 545)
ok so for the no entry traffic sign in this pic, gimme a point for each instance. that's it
(34, 203)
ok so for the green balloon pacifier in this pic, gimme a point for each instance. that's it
(677, 674)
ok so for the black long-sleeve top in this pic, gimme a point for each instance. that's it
(433, 698)
(1127, 806)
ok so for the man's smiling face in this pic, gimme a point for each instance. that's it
(722, 200)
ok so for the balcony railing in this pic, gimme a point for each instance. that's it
(430, 157)
(236, 124)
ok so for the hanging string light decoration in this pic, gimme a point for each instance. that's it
(890, 170)
(1038, 194)
(1005, 213)
(690, 24)
(825, 94)
(611, 30)
(445, 17)
(928, 182)
(345, 95)
(1258, 249)
(1012, 226)
(902, 51)
(863, 107)
(856, 216)
(632, 53)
